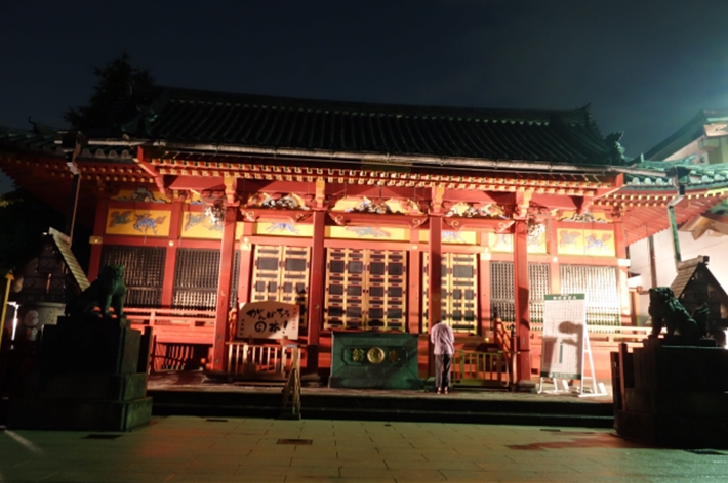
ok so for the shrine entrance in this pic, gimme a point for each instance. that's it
(281, 274)
(365, 289)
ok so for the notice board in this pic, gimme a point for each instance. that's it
(562, 343)
(268, 320)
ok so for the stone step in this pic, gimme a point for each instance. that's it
(496, 408)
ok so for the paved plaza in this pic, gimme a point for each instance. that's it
(194, 449)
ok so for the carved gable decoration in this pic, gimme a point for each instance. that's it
(585, 217)
(288, 201)
(470, 210)
(365, 205)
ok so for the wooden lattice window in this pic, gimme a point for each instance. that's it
(196, 278)
(600, 286)
(503, 293)
(143, 273)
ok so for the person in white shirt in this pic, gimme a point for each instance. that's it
(442, 337)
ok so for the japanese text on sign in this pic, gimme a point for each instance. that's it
(562, 340)
(268, 320)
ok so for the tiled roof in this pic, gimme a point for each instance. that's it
(47, 141)
(694, 175)
(686, 134)
(191, 116)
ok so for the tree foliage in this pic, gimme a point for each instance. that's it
(116, 81)
(25, 219)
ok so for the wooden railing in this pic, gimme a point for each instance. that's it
(179, 335)
(610, 334)
(263, 362)
(481, 369)
(177, 326)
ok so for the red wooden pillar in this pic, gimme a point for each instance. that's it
(435, 274)
(435, 269)
(484, 315)
(170, 256)
(625, 303)
(246, 263)
(523, 330)
(414, 287)
(316, 291)
(552, 243)
(102, 209)
(224, 286)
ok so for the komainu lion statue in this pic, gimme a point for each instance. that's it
(106, 291)
(667, 311)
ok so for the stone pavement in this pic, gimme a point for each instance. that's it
(193, 449)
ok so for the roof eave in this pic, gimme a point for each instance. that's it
(384, 158)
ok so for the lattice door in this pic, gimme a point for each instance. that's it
(143, 273)
(503, 293)
(281, 274)
(600, 286)
(459, 291)
(539, 284)
(196, 279)
(365, 289)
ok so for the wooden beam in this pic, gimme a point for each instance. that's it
(102, 208)
(523, 328)
(227, 260)
(435, 278)
(316, 291)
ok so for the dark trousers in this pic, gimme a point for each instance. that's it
(442, 370)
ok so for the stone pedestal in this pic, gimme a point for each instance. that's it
(675, 396)
(88, 378)
(373, 360)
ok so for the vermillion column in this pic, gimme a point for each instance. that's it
(414, 287)
(102, 208)
(622, 273)
(224, 287)
(316, 291)
(170, 256)
(316, 286)
(434, 307)
(246, 262)
(435, 269)
(523, 329)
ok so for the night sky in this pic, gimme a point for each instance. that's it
(645, 67)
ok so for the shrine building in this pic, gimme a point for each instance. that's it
(370, 217)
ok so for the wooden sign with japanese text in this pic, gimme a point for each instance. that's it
(562, 346)
(268, 320)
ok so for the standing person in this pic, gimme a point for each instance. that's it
(442, 337)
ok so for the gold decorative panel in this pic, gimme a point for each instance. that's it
(459, 291)
(137, 222)
(365, 289)
(599, 243)
(281, 274)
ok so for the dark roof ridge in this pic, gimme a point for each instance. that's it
(575, 115)
(687, 133)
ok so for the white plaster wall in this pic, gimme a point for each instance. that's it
(716, 247)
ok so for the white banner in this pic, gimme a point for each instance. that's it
(268, 320)
(562, 342)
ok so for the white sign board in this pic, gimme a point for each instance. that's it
(268, 320)
(562, 343)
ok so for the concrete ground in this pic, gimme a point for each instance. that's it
(192, 449)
